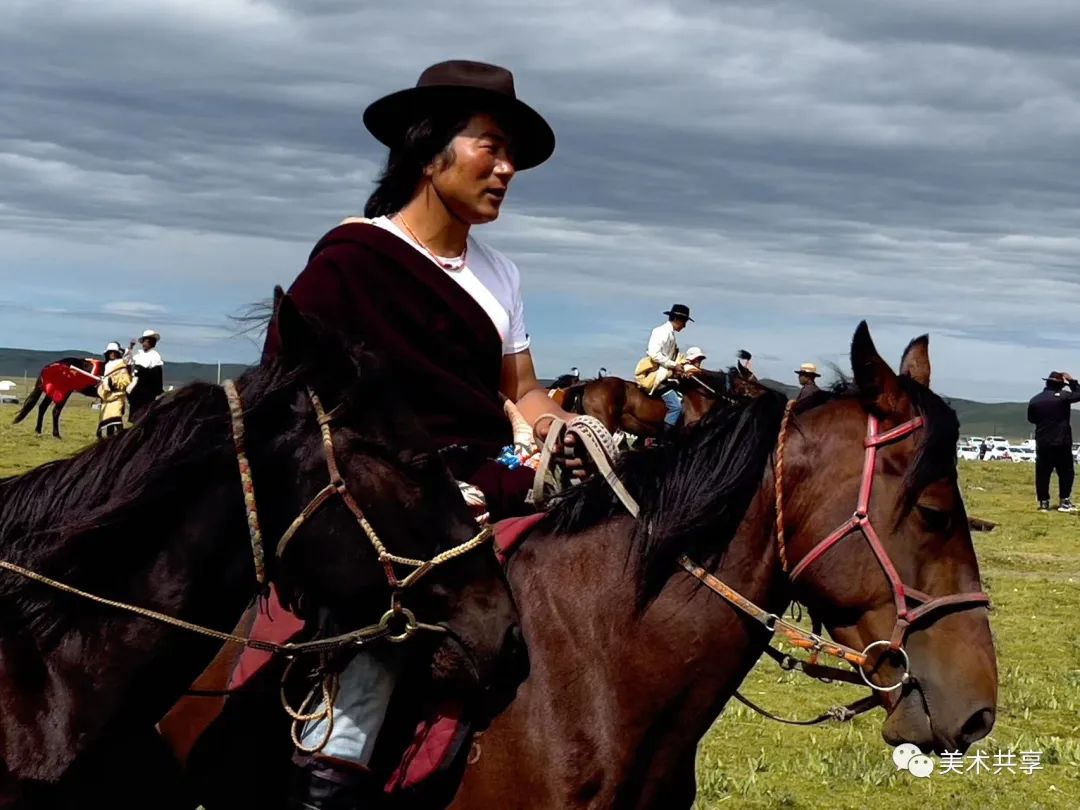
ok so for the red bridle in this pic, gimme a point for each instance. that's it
(903, 595)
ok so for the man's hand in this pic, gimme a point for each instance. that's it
(564, 453)
(690, 370)
(1067, 377)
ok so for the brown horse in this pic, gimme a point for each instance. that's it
(621, 688)
(89, 365)
(622, 404)
(704, 391)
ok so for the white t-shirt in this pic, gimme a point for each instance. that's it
(490, 278)
(144, 359)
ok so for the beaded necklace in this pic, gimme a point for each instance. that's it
(452, 264)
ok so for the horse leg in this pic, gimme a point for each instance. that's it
(44, 406)
(56, 416)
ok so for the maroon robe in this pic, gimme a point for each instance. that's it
(439, 345)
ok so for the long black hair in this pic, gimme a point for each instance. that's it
(424, 141)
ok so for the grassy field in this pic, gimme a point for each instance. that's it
(1031, 569)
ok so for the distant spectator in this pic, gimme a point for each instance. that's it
(149, 371)
(112, 390)
(1050, 412)
(744, 365)
(808, 375)
(982, 451)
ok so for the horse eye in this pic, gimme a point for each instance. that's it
(935, 519)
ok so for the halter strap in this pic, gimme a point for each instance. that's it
(338, 487)
(251, 513)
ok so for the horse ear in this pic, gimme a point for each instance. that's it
(916, 360)
(879, 387)
(296, 337)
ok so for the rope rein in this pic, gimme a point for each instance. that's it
(396, 624)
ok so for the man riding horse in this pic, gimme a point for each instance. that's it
(411, 282)
(662, 365)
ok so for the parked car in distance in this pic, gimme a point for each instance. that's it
(8, 399)
(999, 452)
(1022, 454)
(968, 452)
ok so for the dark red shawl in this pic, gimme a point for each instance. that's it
(440, 345)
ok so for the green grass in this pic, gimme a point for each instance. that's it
(1031, 569)
(21, 449)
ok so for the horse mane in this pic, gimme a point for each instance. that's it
(46, 523)
(935, 454)
(693, 492)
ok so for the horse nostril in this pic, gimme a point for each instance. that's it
(976, 727)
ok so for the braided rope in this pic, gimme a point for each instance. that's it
(327, 689)
(788, 410)
(236, 414)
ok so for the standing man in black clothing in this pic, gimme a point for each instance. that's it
(1050, 412)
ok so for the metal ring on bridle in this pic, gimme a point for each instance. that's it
(410, 627)
(904, 678)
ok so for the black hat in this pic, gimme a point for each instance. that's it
(679, 311)
(743, 354)
(460, 83)
(1055, 377)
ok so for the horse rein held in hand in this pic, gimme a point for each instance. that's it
(906, 616)
(354, 638)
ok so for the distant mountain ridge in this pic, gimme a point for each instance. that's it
(14, 363)
(1008, 419)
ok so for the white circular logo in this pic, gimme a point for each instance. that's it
(903, 753)
(921, 766)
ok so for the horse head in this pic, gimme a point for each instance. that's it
(898, 578)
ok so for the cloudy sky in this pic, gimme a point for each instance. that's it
(786, 170)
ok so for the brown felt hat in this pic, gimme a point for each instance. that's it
(465, 84)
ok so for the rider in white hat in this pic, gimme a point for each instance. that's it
(808, 374)
(149, 371)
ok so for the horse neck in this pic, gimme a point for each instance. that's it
(651, 682)
(177, 546)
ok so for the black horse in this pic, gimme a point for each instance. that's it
(156, 517)
(89, 365)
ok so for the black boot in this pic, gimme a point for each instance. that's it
(318, 784)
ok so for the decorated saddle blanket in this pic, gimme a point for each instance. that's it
(59, 380)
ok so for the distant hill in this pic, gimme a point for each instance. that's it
(1008, 419)
(15, 362)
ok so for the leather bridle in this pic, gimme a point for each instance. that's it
(336, 487)
(860, 522)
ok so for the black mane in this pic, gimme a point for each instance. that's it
(693, 492)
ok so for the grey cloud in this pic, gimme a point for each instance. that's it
(909, 163)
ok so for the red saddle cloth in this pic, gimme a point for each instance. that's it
(59, 380)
